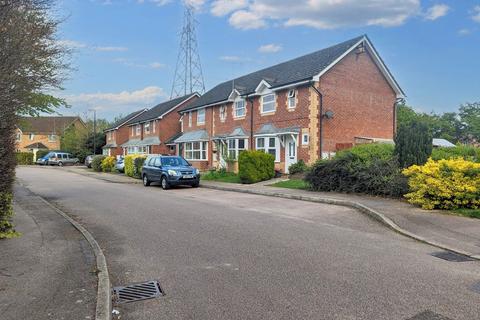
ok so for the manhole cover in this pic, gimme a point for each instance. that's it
(428, 315)
(452, 256)
(137, 292)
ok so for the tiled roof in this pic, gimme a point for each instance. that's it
(47, 125)
(131, 116)
(293, 71)
(160, 109)
(199, 135)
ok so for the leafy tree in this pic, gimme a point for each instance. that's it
(413, 144)
(31, 63)
(470, 117)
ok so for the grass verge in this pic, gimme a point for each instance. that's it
(291, 184)
(471, 213)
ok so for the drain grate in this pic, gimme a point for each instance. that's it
(137, 292)
(429, 315)
(452, 256)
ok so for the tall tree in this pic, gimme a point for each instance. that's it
(31, 63)
(413, 144)
(470, 117)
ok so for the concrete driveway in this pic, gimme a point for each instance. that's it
(221, 255)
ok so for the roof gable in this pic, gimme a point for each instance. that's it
(302, 69)
(124, 120)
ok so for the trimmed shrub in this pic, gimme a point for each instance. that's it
(413, 144)
(108, 164)
(369, 152)
(7, 229)
(133, 167)
(350, 173)
(97, 163)
(24, 158)
(255, 166)
(444, 184)
(299, 167)
(469, 153)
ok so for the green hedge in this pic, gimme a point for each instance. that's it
(299, 167)
(255, 166)
(368, 152)
(466, 152)
(133, 165)
(97, 163)
(350, 173)
(24, 158)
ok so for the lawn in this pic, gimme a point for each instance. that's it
(221, 176)
(291, 184)
(471, 213)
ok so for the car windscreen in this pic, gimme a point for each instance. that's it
(49, 155)
(174, 161)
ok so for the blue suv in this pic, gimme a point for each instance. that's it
(169, 171)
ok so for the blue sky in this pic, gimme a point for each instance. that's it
(125, 51)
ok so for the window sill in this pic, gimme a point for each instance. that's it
(239, 118)
(269, 113)
(200, 123)
(291, 109)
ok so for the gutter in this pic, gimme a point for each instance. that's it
(312, 84)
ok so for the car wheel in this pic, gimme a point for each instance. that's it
(60, 164)
(146, 182)
(164, 183)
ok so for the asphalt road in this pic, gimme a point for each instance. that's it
(222, 255)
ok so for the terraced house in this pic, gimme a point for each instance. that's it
(153, 131)
(118, 134)
(306, 108)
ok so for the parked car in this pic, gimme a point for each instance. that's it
(169, 171)
(58, 158)
(120, 164)
(88, 161)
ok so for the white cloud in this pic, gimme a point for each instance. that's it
(321, 14)
(156, 65)
(437, 11)
(223, 7)
(464, 32)
(113, 101)
(111, 49)
(157, 2)
(476, 14)
(270, 48)
(133, 64)
(230, 58)
(245, 20)
(72, 44)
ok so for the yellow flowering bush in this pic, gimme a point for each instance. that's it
(108, 163)
(444, 184)
(133, 165)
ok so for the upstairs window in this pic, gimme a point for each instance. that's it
(292, 101)
(223, 113)
(31, 136)
(147, 127)
(52, 138)
(239, 108)
(18, 136)
(190, 119)
(201, 116)
(268, 103)
(139, 130)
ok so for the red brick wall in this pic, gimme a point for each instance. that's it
(361, 99)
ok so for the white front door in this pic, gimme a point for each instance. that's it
(290, 152)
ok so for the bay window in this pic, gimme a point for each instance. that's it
(268, 103)
(196, 150)
(235, 147)
(269, 145)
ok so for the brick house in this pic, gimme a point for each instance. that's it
(118, 134)
(306, 108)
(43, 133)
(152, 131)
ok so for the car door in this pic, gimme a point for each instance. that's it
(156, 169)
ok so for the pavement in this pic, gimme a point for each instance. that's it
(47, 273)
(459, 234)
(230, 255)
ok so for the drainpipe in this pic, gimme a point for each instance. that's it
(252, 146)
(320, 95)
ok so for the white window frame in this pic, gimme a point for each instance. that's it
(292, 99)
(202, 150)
(270, 102)
(52, 138)
(138, 130)
(31, 136)
(201, 119)
(190, 119)
(18, 136)
(146, 127)
(305, 142)
(234, 150)
(266, 145)
(223, 113)
(236, 109)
